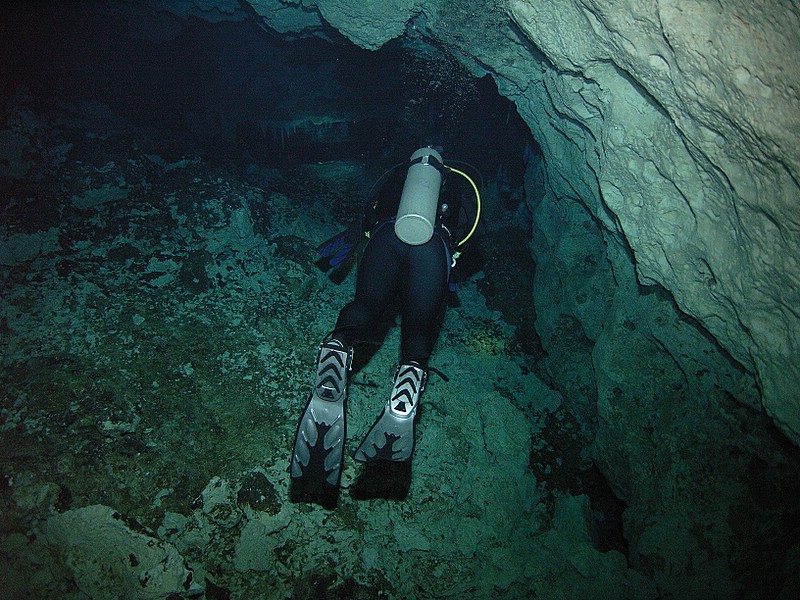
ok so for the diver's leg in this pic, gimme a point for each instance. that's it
(379, 277)
(392, 436)
(317, 455)
(423, 301)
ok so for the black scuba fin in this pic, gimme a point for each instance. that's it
(337, 253)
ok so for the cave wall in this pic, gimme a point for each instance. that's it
(685, 115)
(673, 122)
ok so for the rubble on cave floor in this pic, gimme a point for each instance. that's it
(160, 319)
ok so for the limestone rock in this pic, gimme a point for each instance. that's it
(570, 540)
(369, 24)
(24, 247)
(288, 17)
(257, 542)
(97, 196)
(219, 503)
(95, 548)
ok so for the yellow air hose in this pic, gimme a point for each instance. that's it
(477, 212)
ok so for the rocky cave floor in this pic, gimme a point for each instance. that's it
(160, 318)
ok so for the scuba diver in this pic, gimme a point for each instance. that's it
(421, 215)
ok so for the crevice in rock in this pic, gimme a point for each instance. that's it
(558, 463)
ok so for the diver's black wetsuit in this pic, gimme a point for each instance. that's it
(417, 274)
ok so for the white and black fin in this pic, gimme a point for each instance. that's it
(319, 443)
(392, 436)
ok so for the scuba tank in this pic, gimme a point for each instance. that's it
(419, 202)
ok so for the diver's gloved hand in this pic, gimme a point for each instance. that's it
(392, 435)
(319, 444)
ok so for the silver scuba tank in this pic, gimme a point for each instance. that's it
(419, 202)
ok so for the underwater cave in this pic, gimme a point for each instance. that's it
(616, 415)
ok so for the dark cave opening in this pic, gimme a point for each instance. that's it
(234, 92)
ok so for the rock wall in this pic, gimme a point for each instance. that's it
(674, 122)
(685, 115)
